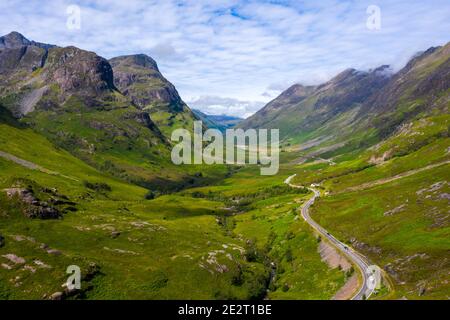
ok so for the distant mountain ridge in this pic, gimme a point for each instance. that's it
(302, 109)
(15, 40)
(220, 122)
(359, 107)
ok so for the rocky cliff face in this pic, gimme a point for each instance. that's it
(357, 109)
(138, 77)
(34, 75)
(78, 71)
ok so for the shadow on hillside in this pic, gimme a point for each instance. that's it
(6, 117)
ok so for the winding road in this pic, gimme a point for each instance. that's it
(368, 280)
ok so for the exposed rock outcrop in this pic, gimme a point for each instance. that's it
(138, 77)
(33, 207)
(50, 208)
(78, 71)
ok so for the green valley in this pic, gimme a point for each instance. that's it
(86, 179)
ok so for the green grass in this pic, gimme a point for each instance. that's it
(164, 245)
(226, 229)
(164, 240)
(420, 227)
(271, 223)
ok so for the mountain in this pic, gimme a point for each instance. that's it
(220, 122)
(138, 77)
(300, 110)
(16, 40)
(377, 145)
(117, 118)
(421, 87)
(85, 176)
(87, 180)
(385, 177)
(357, 109)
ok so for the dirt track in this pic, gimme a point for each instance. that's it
(390, 179)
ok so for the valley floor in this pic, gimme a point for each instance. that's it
(239, 238)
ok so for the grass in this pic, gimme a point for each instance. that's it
(226, 232)
(272, 226)
(177, 246)
(159, 250)
(396, 239)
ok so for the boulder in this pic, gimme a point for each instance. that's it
(56, 296)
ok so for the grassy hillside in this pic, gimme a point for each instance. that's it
(403, 226)
(390, 202)
(264, 211)
(126, 246)
(132, 248)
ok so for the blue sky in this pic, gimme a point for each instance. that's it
(233, 56)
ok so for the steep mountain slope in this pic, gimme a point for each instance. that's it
(138, 77)
(299, 111)
(59, 106)
(105, 227)
(69, 95)
(357, 109)
(420, 88)
(28, 70)
(220, 122)
(385, 188)
(418, 92)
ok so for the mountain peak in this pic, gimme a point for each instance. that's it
(383, 70)
(15, 39)
(138, 77)
(140, 60)
(15, 34)
(297, 90)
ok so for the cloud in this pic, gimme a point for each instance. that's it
(165, 51)
(214, 105)
(267, 94)
(240, 48)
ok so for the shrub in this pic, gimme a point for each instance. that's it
(289, 235)
(150, 195)
(288, 255)
(98, 186)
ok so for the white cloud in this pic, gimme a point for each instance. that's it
(239, 48)
(219, 105)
